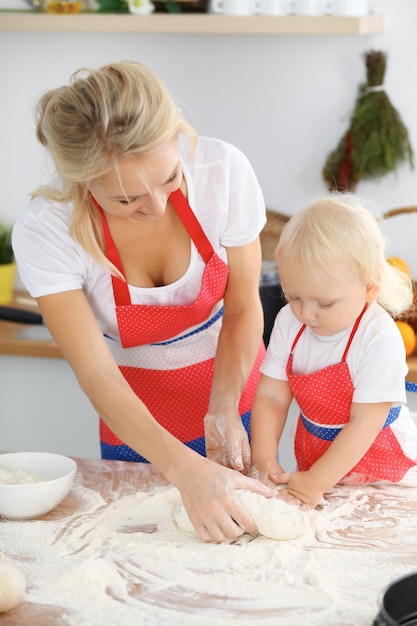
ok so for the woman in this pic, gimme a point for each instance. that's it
(144, 257)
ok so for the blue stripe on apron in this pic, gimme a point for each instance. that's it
(124, 453)
(329, 433)
(207, 324)
(410, 386)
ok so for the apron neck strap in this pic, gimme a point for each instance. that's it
(353, 333)
(294, 343)
(120, 288)
(187, 217)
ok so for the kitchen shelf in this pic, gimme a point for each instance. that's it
(201, 23)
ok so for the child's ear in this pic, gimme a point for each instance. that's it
(371, 292)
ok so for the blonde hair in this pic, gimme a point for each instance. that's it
(118, 110)
(338, 232)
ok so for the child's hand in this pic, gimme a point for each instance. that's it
(263, 473)
(300, 489)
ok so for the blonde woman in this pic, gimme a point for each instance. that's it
(143, 254)
(337, 351)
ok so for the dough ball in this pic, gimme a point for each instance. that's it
(182, 520)
(12, 584)
(273, 517)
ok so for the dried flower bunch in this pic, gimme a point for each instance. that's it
(376, 142)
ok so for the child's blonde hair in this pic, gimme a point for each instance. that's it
(118, 110)
(338, 232)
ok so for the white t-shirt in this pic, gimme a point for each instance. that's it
(222, 191)
(376, 357)
(376, 361)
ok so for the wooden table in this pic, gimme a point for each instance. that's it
(26, 339)
(110, 479)
(377, 544)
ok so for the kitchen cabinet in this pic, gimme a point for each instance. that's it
(43, 408)
(201, 23)
(42, 405)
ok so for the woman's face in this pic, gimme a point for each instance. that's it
(140, 186)
(328, 302)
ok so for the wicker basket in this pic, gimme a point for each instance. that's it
(410, 316)
(275, 222)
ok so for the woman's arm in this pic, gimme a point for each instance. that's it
(207, 489)
(347, 449)
(238, 345)
(269, 414)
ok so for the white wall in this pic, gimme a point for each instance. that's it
(43, 409)
(285, 100)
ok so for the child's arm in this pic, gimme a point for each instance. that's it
(350, 445)
(269, 413)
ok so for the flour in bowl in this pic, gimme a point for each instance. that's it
(17, 477)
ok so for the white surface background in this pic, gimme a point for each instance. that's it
(284, 100)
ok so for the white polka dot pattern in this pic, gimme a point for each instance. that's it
(177, 396)
(141, 324)
(178, 399)
(325, 398)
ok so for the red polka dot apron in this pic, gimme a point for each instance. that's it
(176, 395)
(324, 398)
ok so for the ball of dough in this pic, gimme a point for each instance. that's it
(273, 517)
(12, 584)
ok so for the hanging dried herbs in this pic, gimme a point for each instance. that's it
(376, 142)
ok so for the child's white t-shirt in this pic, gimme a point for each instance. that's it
(376, 361)
(376, 357)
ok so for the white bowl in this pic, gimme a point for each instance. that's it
(29, 500)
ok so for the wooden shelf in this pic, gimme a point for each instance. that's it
(26, 339)
(202, 23)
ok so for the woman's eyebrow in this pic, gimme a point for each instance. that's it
(138, 195)
(172, 173)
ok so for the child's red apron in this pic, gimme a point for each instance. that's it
(177, 398)
(324, 398)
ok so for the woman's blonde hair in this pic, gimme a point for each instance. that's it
(338, 232)
(118, 110)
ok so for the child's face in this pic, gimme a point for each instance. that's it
(328, 302)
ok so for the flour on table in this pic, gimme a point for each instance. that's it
(17, 477)
(130, 562)
(273, 517)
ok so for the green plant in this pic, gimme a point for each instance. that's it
(112, 6)
(6, 250)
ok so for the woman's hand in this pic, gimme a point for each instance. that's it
(209, 495)
(227, 441)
